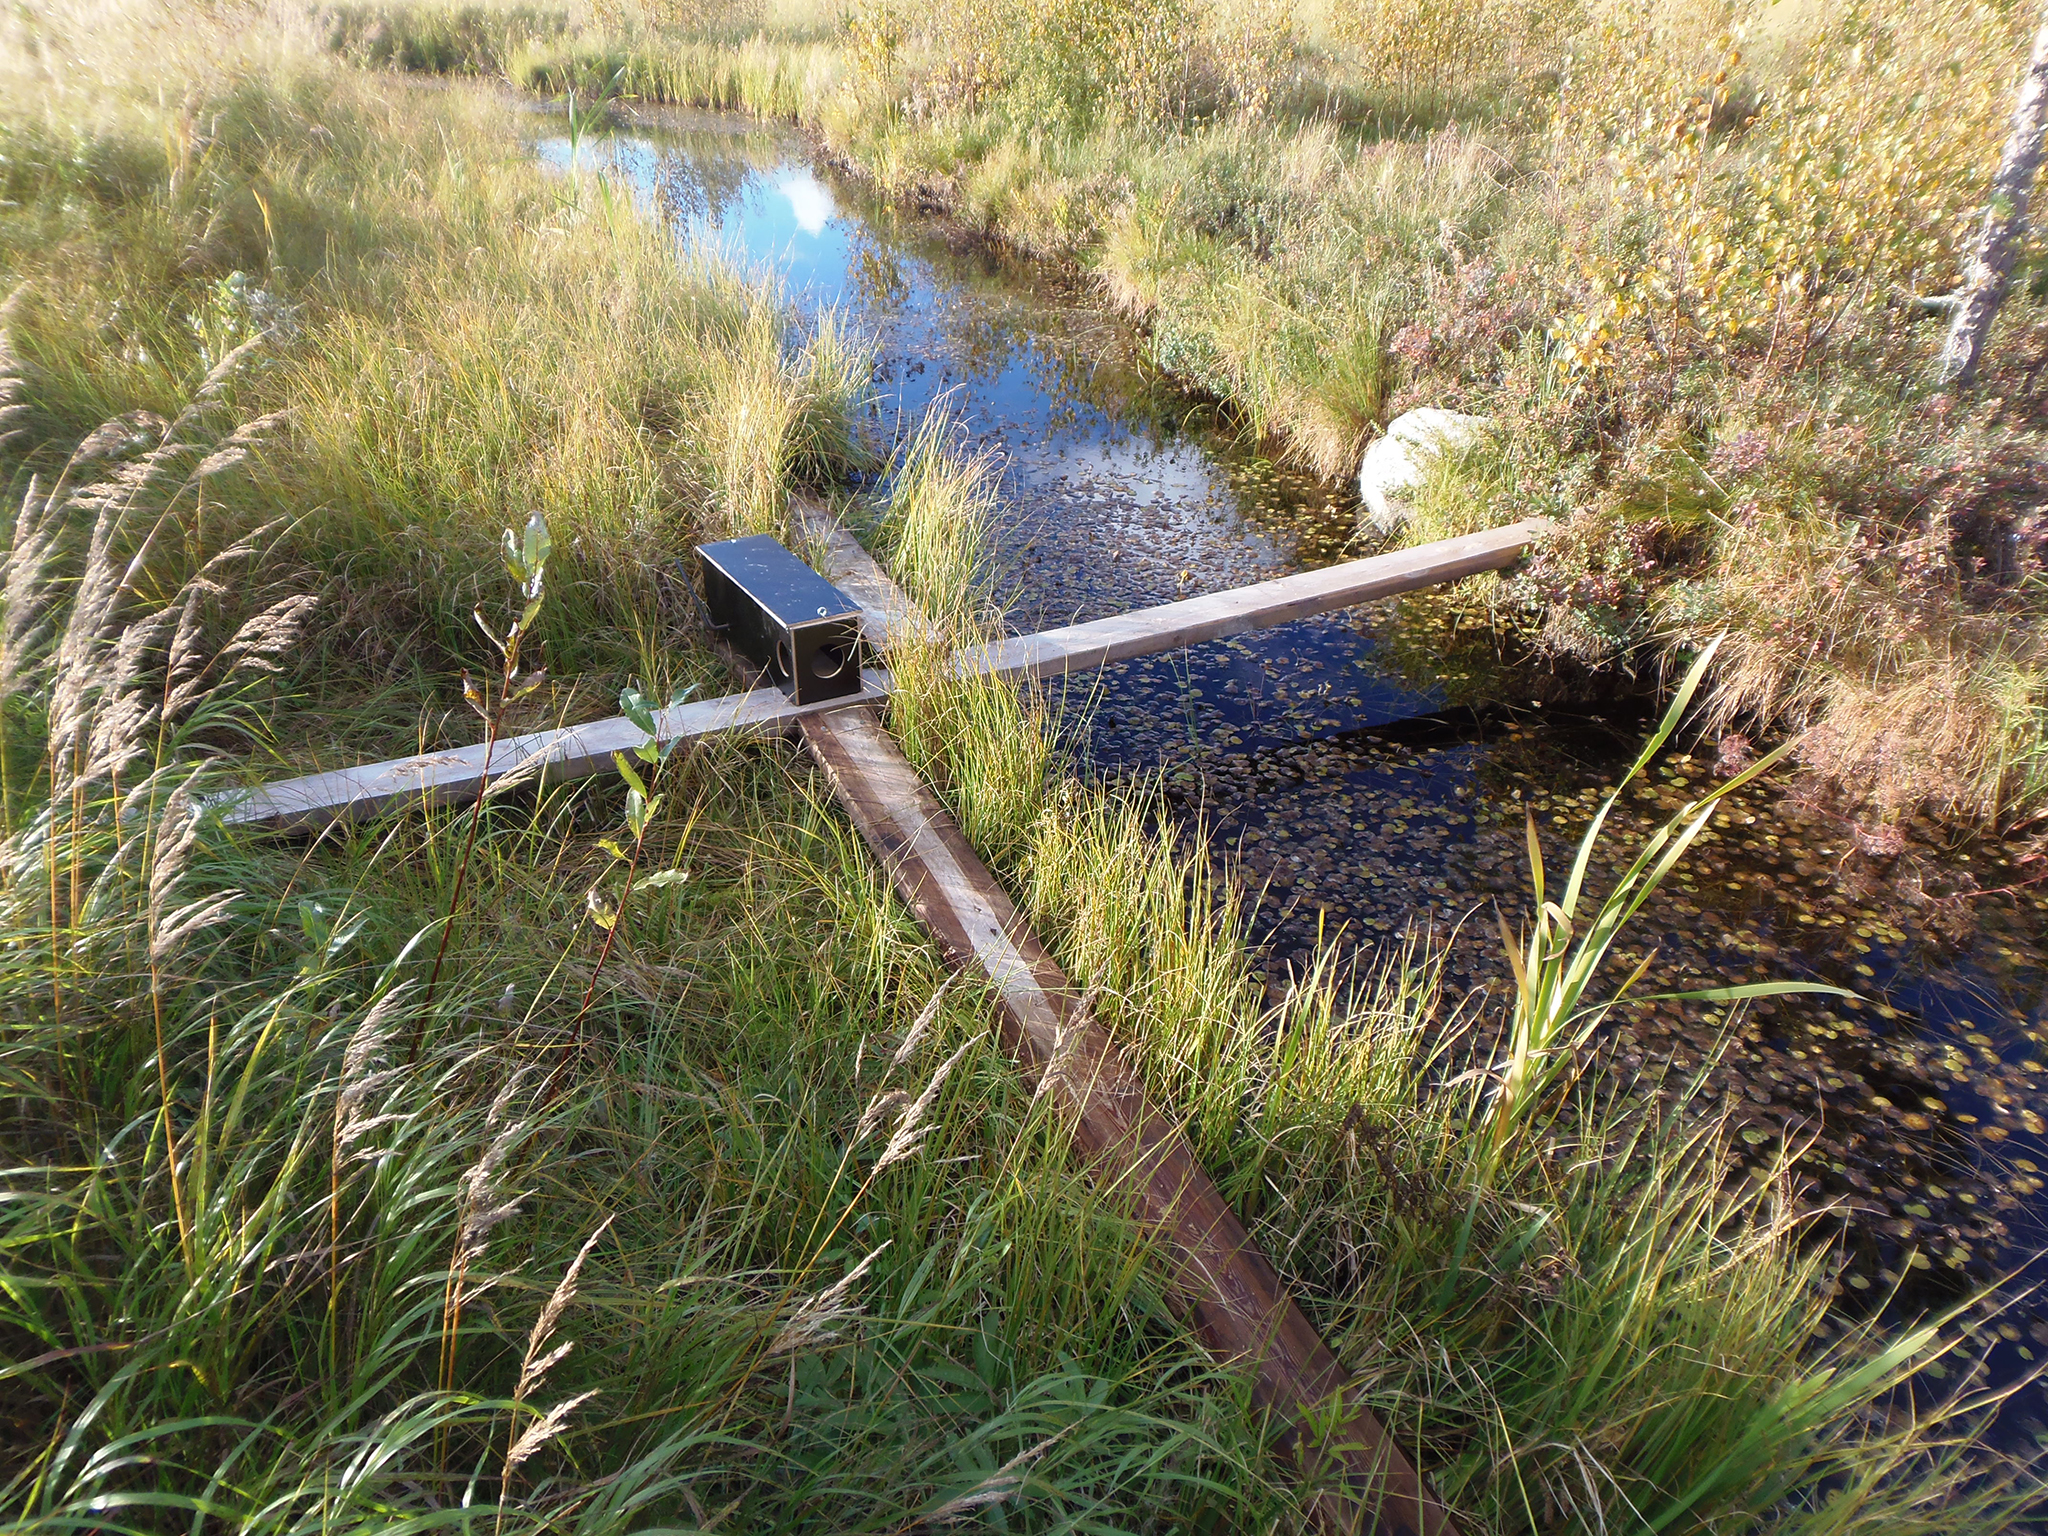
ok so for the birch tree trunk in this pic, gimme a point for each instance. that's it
(2005, 226)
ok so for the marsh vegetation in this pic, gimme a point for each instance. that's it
(1689, 257)
(425, 1174)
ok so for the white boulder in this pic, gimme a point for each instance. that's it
(1395, 462)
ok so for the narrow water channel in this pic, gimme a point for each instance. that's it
(1370, 772)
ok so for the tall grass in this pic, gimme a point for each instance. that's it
(731, 1217)
(1542, 1277)
(988, 745)
(292, 1245)
(1570, 938)
(813, 1258)
(457, 335)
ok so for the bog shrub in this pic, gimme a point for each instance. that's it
(1068, 65)
(1414, 54)
(1761, 214)
(467, 40)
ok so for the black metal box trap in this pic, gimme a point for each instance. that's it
(784, 617)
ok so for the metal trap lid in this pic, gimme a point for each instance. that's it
(787, 589)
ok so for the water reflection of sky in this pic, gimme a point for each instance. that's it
(1111, 499)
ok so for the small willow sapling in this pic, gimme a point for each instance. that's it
(650, 756)
(526, 561)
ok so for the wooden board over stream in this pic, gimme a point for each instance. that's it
(578, 751)
(1224, 1286)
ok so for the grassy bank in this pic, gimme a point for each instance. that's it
(365, 1183)
(1682, 255)
(442, 337)
(440, 1173)
(1674, 253)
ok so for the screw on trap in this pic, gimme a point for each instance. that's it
(783, 617)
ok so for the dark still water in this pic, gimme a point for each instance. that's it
(1370, 772)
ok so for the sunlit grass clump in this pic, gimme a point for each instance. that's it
(1547, 1280)
(317, 1221)
(456, 334)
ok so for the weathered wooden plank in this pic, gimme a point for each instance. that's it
(1226, 1287)
(1078, 647)
(888, 618)
(580, 750)
(569, 752)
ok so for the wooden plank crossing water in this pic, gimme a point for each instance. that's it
(1226, 1288)
(1223, 1284)
(577, 751)
(1078, 647)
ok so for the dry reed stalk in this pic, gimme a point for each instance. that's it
(1073, 1030)
(1006, 1482)
(911, 1129)
(921, 1025)
(534, 1367)
(110, 700)
(360, 1077)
